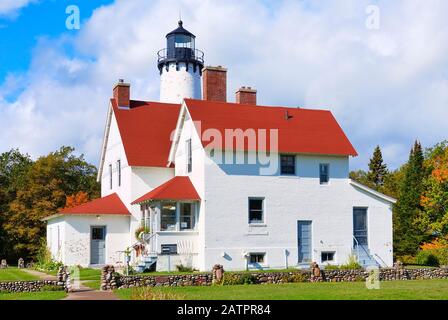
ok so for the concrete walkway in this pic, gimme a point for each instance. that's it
(86, 293)
(40, 275)
(83, 293)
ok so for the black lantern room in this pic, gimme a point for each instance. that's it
(180, 47)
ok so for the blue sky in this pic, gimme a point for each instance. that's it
(386, 85)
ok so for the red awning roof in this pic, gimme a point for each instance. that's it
(110, 204)
(178, 188)
(145, 130)
(299, 130)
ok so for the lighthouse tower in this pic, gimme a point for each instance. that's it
(180, 65)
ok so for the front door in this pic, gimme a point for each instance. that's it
(360, 226)
(304, 241)
(97, 245)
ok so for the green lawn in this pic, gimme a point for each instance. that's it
(46, 295)
(14, 274)
(390, 290)
(84, 273)
(94, 284)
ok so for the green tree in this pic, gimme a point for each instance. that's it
(14, 167)
(407, 234)
(49, 181)
(434, 200)
(377, 170)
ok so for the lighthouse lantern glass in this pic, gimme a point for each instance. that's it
(183, 41)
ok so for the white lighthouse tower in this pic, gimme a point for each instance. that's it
(180, 65)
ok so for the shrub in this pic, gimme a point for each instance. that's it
(45, 261)
(231, 279)
(182, 268)
(298, 277)
(352, 263)
(331, 267)
(247, 278)
(407, 259)
(442, 255)
(427, 258)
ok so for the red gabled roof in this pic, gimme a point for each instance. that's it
(299, 130)
(145, 130)
(110, 204)
(178, 188)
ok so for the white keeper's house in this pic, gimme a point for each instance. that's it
(208, 181)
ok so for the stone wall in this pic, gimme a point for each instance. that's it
(28, 286)
(115, 280)
(62, 281)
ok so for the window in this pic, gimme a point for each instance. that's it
(110, 176)
(256, 210)
(327, 256)
(189, 156)
(119, 172)
(287, 164)
(168, 249)
(324, 173)
(256, 258)
(98, 233)
(186, 216)
(168, 216)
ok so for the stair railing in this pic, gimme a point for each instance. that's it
(357, 247)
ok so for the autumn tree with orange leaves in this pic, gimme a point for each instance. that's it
(434, 199)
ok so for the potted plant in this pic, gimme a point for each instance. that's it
(140, 231)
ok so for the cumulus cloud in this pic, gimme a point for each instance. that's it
(10, 7)
(387, 86)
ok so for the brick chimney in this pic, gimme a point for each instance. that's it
(246, 96)
(214, 83)
(122, 92)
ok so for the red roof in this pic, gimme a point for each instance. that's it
(110, 204)
(299, 130)
(145, 130)
(178, 188)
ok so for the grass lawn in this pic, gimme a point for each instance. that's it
(46, 295)
(14, 274)
(94, 284)
(390, 290)
(84, 273)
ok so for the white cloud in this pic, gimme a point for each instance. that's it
(10, 7)
(386, 86)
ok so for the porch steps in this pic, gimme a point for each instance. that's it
(365, 258)
(146, 262)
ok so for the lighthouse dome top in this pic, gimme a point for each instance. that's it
(180, 30)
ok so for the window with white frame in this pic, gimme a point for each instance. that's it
(187, 220)
(189, 156)
(119, 172)
(324, 173)
(256, 210)
(110, 176)
(256, 258)
(327, 256)
(168, 216)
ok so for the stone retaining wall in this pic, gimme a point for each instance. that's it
(27, 286)
(62, 281)
(205, 279)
